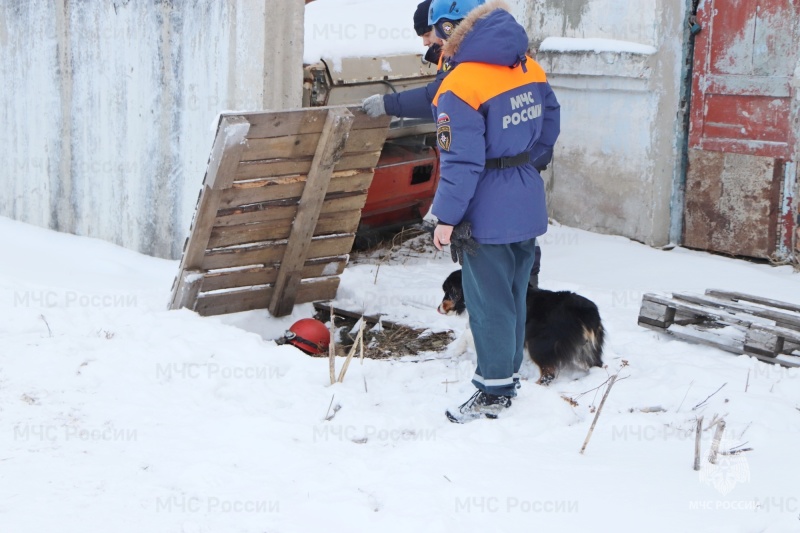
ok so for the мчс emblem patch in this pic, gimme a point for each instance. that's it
(444, 137)
(448, 28)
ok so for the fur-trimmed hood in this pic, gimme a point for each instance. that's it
(488, 34)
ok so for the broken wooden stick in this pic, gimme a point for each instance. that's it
(359, 342)
(332, 351)
(697, 436)
(597, 414)
(709, 396)
(712, 456)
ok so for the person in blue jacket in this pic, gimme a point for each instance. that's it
(491, 111)
(416, 103)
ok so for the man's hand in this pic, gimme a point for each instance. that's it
(373, 105)
(459, 238)
(441, 235)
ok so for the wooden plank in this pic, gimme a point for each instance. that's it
(737, 296)
(311, 120)
(688, 334)
(314, 268)
(187, 286)
(248, 300)
(267, 254)
(329, 152)
(656, 314)
(688, 310)
(787, 361)
(299, 146)
(249, 170)
(328, 224)
(779, 317)
(225, 154)
(253, 192)
(763, 342)
(792, 337)
(226, 151)
(278, 211)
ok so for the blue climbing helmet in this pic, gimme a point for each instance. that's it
(445, 15)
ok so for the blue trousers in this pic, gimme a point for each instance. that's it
(495, 284)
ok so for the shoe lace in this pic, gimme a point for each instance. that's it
(472, 399)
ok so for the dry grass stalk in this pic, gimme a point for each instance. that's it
(697, 435)
(712, 456)
(332, 351)
(599, 409)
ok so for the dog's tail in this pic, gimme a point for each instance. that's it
(591, 353)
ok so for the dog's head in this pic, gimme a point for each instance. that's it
(453, 302)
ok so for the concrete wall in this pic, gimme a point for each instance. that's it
(619, 152)
(109, 108)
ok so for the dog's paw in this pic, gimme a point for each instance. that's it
(464, 343)
(546, 379)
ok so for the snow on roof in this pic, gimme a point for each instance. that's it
(360, 28)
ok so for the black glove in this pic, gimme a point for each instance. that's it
(461, 242)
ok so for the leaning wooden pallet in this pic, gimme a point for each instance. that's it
(278, 210)
(731, 321)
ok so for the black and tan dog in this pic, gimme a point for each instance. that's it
(563, 329)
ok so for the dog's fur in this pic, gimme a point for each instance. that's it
(563, 329)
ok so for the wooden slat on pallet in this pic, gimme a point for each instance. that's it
(267, 254)
(328, 224)
(248, 300)
(738, 296)
(249, 170)
(329, 152)
(187, 287)
(276, 211)
(778, 317)
(312, 120)
(224, 160)
(315, 268)
(683, 312)
(253, 192)
(299, 146)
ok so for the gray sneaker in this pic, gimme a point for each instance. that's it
(480, 405)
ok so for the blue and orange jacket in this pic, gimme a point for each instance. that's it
(495, 103)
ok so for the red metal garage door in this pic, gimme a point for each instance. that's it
(743, 132)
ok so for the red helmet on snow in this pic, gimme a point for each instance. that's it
(309, 335)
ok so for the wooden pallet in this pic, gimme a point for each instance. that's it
(278, 210)
(731, 321)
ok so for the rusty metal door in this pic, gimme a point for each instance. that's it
(741, 177)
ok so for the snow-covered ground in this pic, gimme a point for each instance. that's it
(118, 415)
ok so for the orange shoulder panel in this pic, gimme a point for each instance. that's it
(475, 83)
